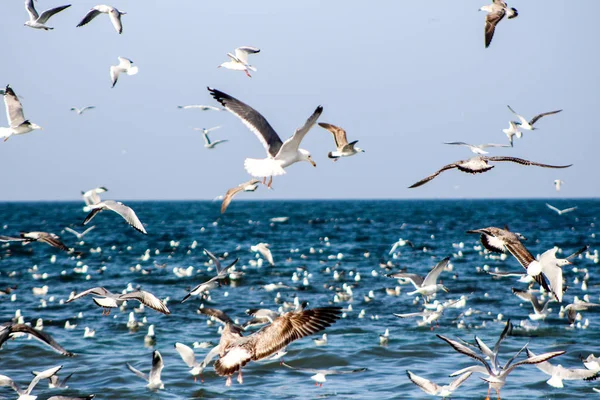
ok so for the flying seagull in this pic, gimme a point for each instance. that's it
(153, 379)
(188, 357)
(320, 375)
(214, 281)
(206, 131)
(478, 149)
(126, 212)
(280, 154)
(557, 184)
(558, 373)
(123, 67)
(572, 309)
(113, 13)
(425, 286)
(561, 212)
(91, 197)
(480, 164)
(344, 149)
(37, 21)
(540, 311)
(44, 237)
(107, 300)
(236, 350)
(9, 330)
(263, 249)
(551, 267)
(17, 124)
(431, 388)
(239, 61)
(528, 125)
(80, 111)
(201, 107)
(496, 11)
(77, 234)
(26, 394)
(210, 144)
(54, 381)
(249, 186)
(511, 131)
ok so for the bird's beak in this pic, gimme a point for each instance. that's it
(445, 289)
(314, 164)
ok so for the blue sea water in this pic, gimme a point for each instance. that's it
(339, 234)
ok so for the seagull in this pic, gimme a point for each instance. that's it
(54, 381)
(344, 149)
(557, 184)
(496, 11)
(44, 237)
(280, 154)
(428, 285)
(113, 13)
(249, 186)
(512, 131)
(236, 350)
(539, 311)
(263, 249)
(91, 197)
(572, 309)
(9, 330)
(495, 378)
(209, 144)
(591, 362)
(479, 164)
(239, 61)
(201, 107)
(431, 388)
(320, 374)
(17, 124)
(428, 315)
(188, 357)
(80, 111)
(127, 213)
(385, 338)
(108, 300)
(153, 378)
(123, 67)
(37, 21)
(561, 212)
(79, 235)
(478, 149)
(551, 267)
(499, 240)
(26, 394)
(206, 131)
(212, 282)
(528, 125)
(401, 243)
(559, 373)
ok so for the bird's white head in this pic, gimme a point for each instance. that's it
(305, 156)
(358, 149)
(442, 287)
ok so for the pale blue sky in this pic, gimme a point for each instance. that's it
(402, 77)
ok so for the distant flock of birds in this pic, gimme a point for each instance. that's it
(235, 350)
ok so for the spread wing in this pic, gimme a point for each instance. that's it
(430, 177)
(426, 385)
(53, 241)
(98, 291)
(433, 275)
(534, 119)
(42, 375)
(30, 7)
(242, 53)
(525, 162)
(416, 280)
(339, 135)
(466, 351)
(252, 119)
(157, 366)
(127, 213)
(218, 314)
(460, 380)
(48, 13)
(535, 360)
(231, 193)
(115, 18)
(293, 143)
(491, 20)
(146, 298)
(93, 13)
(39, 335)
(14, 109)
(138, 373)
(187, 354)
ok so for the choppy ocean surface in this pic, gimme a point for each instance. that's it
(321, 237)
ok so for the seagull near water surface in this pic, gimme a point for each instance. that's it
(249, 186)
(280, 155)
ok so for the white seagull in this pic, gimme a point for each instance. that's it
(432, 388)
(113, 13)
(320, 375)
(280, 154)
(428, 285)
(528, 125)
(153, 379)
(26, 394)
(37, 21)
(249, 186)
(123, 67)
(551, 267)
(561, 212)
(263, 249)
(126, 212)
(80, 111)
(557, 184)
(539, 311)
(188, 357)
(343, 148)
(208, 143)
(91, 197)
(107, 300)
(478, 149)
(558, 373)
(206, 131)
(77, 234)
(496, 11)
(239, 61)
(511, 131)
(214, 281)
(17, 124)
(201, 107)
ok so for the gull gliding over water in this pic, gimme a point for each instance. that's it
(249, 186)
(37, 21)
(479, 164)
(91, 197)
(26, 394)
(126, 212)
(431, 388)
(280, 155)
(320, 375)
(496, 11)
(344, 149)
(123, 67)
(428, 285)
(44, 237)
(528, 125)
(478, 149)
(561, 212)
(214, 281)
(188, 357)
(17, 124)
(558, 373)
(8, 330)
(113, 13)
(239, 61)
(153, 379)
(107, 300)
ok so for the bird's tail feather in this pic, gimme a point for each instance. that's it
(263, 168)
